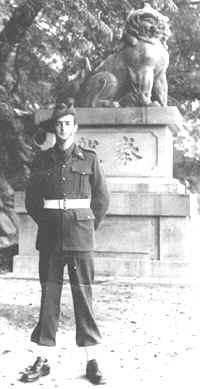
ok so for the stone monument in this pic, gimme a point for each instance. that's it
(123, 115)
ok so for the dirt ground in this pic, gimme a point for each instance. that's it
(151, 335)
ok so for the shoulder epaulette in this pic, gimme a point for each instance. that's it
(90, 150)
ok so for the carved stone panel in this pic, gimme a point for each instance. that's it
(131, 152)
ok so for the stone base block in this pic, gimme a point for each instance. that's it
(27, 267)
(125, 245)
(157, 238)
(142, 232)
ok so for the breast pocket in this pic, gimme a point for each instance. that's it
(81, 179)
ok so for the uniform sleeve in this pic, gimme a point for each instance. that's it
(34, 195)
(100, 195)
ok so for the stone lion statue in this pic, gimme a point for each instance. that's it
(135, 75)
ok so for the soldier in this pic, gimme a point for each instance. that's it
(68, 198)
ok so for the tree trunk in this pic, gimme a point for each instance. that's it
(17, 25)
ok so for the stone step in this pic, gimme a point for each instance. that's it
(134, 266)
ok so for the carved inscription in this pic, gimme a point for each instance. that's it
(88, 143)
(127, 151)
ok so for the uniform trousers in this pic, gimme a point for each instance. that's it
(81, 276)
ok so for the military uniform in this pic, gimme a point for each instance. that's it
(68, 198)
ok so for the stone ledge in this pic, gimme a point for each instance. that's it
(149, 204)
(145, 185)
(141, 204)
(27, 266)
(122, 116)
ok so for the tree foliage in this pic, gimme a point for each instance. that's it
(184, 50)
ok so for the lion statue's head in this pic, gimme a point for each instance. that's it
(146, 24)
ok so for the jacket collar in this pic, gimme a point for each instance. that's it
(74, 150)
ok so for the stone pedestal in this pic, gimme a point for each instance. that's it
(145, 231)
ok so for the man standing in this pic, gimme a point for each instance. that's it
(68, 198)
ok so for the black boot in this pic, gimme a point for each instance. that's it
(39, 369)
(93, 373)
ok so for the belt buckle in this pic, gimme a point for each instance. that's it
(65, 204)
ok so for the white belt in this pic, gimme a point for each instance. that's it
(67, 203)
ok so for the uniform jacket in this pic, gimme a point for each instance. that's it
(71, 174)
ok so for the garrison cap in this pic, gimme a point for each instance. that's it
(62, 109)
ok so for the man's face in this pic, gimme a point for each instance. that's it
(65, 128)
